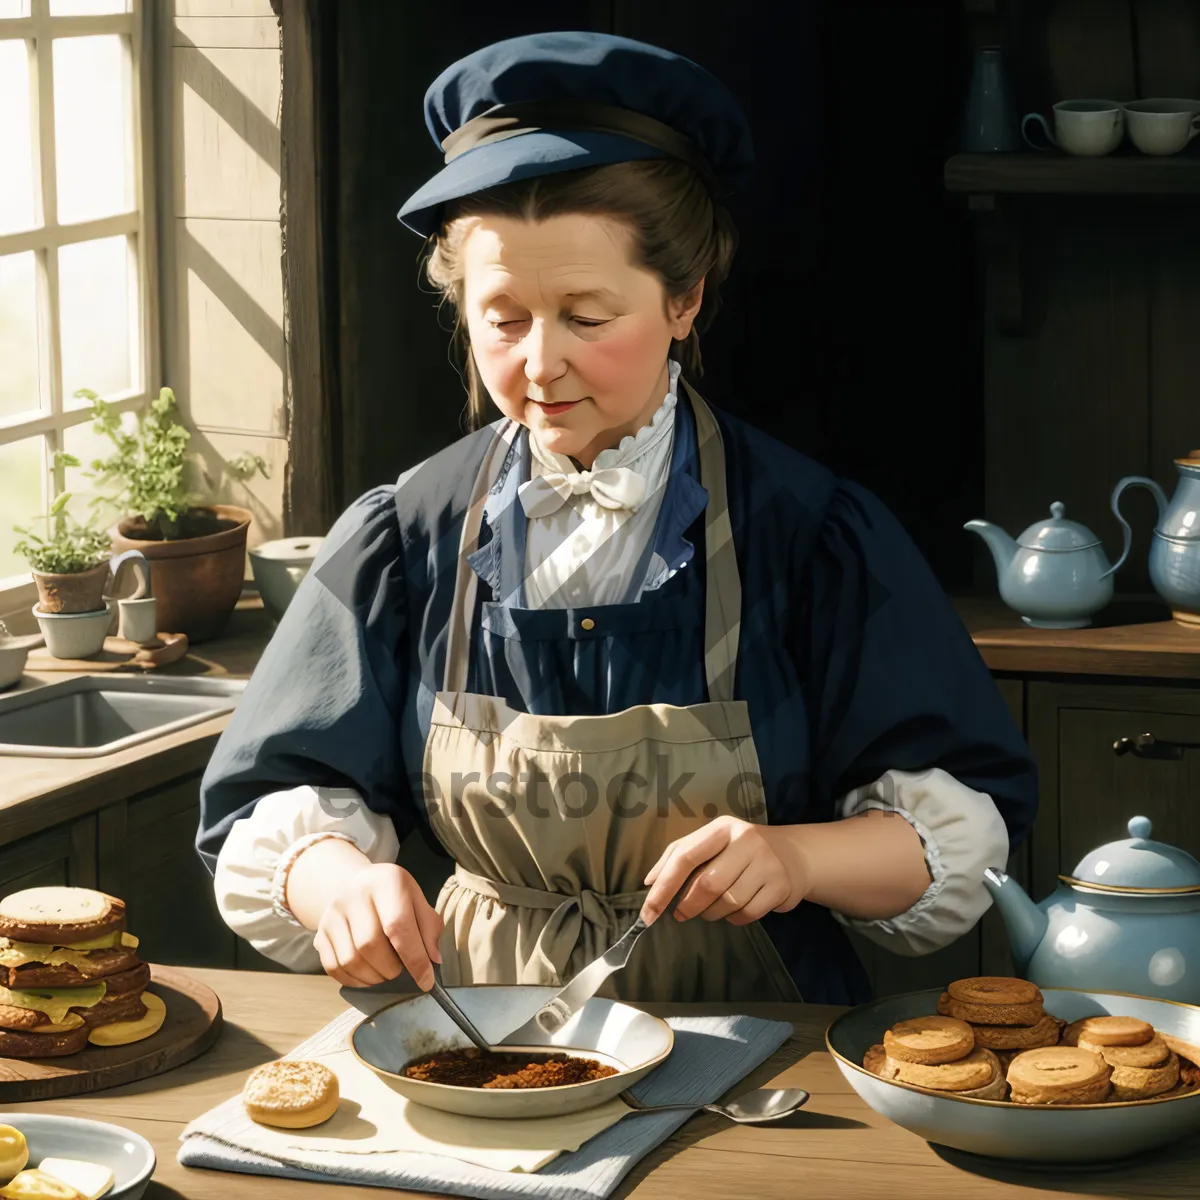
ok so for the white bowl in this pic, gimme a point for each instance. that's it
(616, 1034)
(279, 567)
(1066, 1133)
(12, 663)
(75, 635)
(127, 1154)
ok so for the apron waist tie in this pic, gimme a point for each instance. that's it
(561, 933)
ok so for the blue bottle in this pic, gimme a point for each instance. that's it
(989, 120)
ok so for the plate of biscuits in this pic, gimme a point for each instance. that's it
(1001, 1068)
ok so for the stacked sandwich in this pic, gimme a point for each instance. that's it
(70, 974)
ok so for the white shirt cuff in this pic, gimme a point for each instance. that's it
(962, 832)
(251, 872)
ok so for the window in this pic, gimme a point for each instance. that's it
(76, 244)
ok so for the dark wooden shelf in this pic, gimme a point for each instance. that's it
(1128, 174)
(1130, 638)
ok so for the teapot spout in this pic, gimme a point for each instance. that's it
(1003, 548)
(1025, 922)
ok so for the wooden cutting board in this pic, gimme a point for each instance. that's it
(192, 1025)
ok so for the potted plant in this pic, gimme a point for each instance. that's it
(70, 567)
(196, 551)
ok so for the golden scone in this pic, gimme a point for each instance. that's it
(997, 1089)
(291, 1094)
(876, 1061)
(1113, 1031)
(1186, 1050)
(1018, 1037)
(929, 1040)
(1059, 1075)
(1149, 1054)
(993, 990)
(1140, 1083)
(14, 1152)
(122, 1033)
(973, 1071)
(36, 1185)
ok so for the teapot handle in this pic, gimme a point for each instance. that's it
(1160, 498)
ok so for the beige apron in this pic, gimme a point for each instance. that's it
(554, 821)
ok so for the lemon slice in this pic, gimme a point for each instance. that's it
(14, 1153)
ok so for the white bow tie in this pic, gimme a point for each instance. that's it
(611, 487)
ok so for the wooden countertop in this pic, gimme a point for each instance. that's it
(1133, 637)
(40, 792)
(835, 1146)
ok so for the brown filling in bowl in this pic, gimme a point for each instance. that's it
(521, 1069)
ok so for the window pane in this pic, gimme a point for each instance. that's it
(94, 296)
(14, 8)
(80, 441)
(86, 8)
(16, 137)
(92, 128)
(22, 498)
(18, 335)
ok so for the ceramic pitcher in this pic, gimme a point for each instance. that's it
(1175, 547)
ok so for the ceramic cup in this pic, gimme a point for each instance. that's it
(1088, 128)
(1162, 126)
(75, 635)
(139, 620)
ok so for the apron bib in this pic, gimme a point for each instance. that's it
(554, 821)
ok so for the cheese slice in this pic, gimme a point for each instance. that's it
(73, 1021)
(18, 954)
(89, 1179)
(34, 1185)
(54, 1002)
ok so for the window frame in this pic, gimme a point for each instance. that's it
(18, 593)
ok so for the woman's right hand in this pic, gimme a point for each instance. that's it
(377, 924)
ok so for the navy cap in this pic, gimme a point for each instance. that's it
(551, 102)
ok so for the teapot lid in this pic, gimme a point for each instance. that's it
(1057, 533)
(1137, 864)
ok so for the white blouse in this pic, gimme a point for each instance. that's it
(585, 552)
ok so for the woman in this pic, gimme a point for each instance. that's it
(617, 652)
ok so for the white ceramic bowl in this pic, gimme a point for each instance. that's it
(279, 567)
(76, 635)
(12, 662)
(129, 1156)
(1078, 1133)
(616, 1034)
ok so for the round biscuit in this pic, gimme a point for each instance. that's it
(929, 1040)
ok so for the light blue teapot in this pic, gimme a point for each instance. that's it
(1175, 549)
(1126, 920)
(1056, 574)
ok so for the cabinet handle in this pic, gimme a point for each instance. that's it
(1146, 745)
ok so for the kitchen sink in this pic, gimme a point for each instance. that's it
(91, 715)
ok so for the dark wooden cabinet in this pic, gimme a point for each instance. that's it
(64, 855)
(147, 856)
(1089, 793)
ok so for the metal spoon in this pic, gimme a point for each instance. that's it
(456, 1014)
(754, 1108)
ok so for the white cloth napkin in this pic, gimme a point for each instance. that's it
(611, 487)
(382, 1141)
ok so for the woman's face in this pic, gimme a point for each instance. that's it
(569, 337)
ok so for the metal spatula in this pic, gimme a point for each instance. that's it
(559, 1009)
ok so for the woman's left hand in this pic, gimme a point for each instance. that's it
(736, 873)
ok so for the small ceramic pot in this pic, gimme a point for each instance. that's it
(82, 592)
(75, 635)
(279, 567)
(12, 662)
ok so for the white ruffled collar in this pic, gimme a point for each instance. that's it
(632, 447)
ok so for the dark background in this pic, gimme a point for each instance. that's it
(847, 328)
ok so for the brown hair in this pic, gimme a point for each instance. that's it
(680, 232)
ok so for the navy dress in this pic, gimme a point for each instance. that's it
(852, 660)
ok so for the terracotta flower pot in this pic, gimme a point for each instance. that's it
(82, 592)
(196, 579)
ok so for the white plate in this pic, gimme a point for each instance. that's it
(1061, 1133)
(619, 1036)
(129, 1156)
